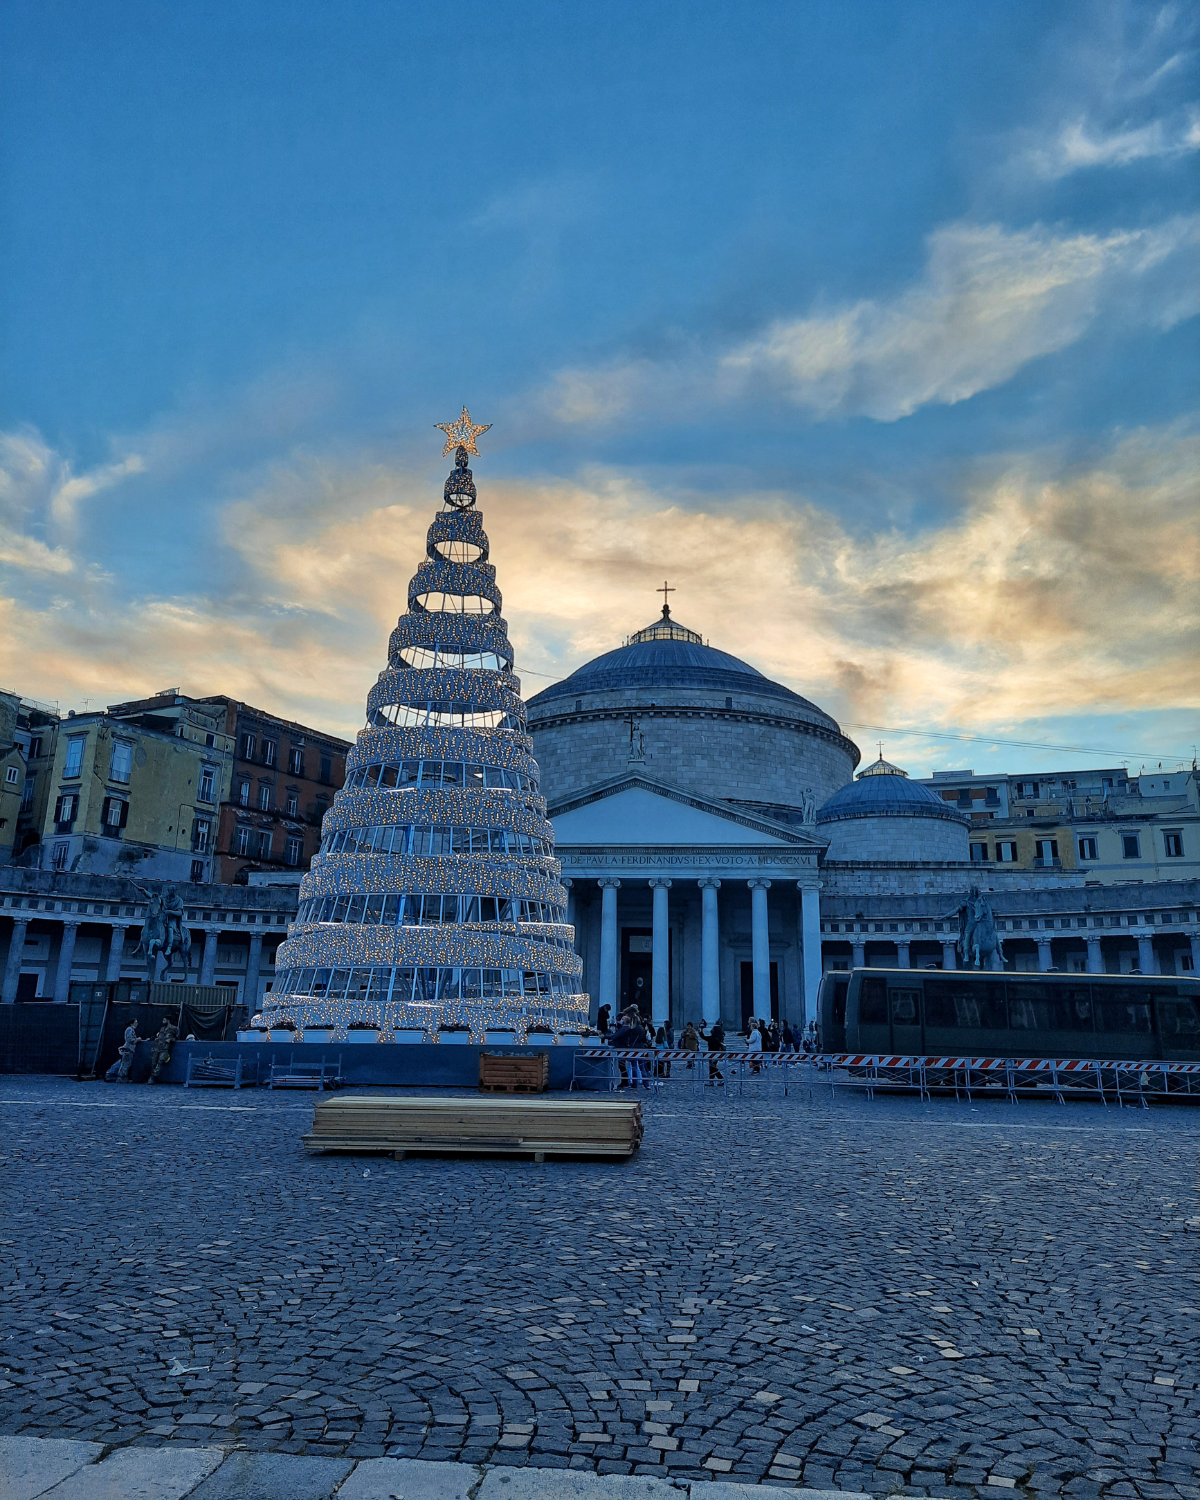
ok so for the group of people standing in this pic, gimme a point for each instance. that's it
(632, 1032)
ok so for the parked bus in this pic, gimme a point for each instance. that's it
(973, 1013)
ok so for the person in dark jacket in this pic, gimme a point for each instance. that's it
(716, 1043)
(602, 1016)
(629, 1034)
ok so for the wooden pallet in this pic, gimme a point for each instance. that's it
(504, 1073)
(564, 1126)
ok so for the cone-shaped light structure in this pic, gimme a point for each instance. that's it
(435, 898)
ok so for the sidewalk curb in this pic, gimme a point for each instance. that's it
(64, 1469)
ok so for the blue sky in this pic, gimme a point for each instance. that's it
(873, 327)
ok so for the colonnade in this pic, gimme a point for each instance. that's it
(710, 886)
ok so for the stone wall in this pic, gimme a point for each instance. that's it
(751, 756)
(895, 838)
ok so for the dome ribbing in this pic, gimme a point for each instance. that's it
(435, 898)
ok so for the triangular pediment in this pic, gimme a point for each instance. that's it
(635, 810)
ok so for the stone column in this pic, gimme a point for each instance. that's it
(253, 965)
(950, 955)
(608, 944)
(116, 951)
(570, 885)
(903, 956)
(1045, 955)
(760, 948)
(858, 958)
(1195, 942)
(810, 946)
(1147, 960)
(1095, 959)
(208, 961)
(710, 950)
(16, 952)
(66, 953)
(660, 963)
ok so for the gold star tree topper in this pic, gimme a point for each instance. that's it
(461, 434)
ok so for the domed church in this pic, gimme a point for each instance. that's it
(709, 824)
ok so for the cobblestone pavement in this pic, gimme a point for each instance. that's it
(933, 1298)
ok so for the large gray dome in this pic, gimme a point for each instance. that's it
(710, 722)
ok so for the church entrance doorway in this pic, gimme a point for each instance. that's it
(637, 969)
(748, 993)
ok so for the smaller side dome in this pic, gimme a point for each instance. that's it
(885, 816)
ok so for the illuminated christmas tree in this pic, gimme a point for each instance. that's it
(435, 899)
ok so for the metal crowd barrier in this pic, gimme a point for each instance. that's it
(610, 1068)
(1133, 1081)
(1125, 1081)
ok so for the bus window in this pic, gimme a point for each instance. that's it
(1034, 1005)
(1178, 1018)
(1124, 1009)
(872, 1003)
(839, 1001)
(974, 1005)
(904, 1007)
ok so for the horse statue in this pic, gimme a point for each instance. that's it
(979, 944)
(164, 931)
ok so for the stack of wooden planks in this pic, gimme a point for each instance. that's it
(507, 1073)
(565, 1126)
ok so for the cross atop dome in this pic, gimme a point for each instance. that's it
(664, 591)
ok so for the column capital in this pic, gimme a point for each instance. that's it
(810, 885)
(72, 921)
(709, 883)
(759, 884)
(566, 880)
(659, 880)
(609, 883)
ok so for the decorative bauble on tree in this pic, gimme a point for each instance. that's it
(435, 899)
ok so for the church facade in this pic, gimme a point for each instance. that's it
(720, 853)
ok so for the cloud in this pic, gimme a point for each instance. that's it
(990, 301)
(1055, 591)
(1079, 144)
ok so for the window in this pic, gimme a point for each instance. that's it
(1047, 851)
(964, 796)
(296, 761)
(241, 841)
(979, 853)
(1028, 788)
(1131, 846)
(295, 848)
(249, 746)
(74, 765)
(1006, 852)
(64, 811)
(326, 768)
(114, 815)
(1030, 812)
(293, 805)
(270, 751)
(1173, 843)
(197, 872)
(12, 774)
(264, 844)
(201, 833)
(579, 705)
(122, 761)
(1087, 849)
(35, 746)
(264, 796)
(729, 703)
(27, 793)
(244, 794)
(210, 741)
(208, 784)
(60, 856)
